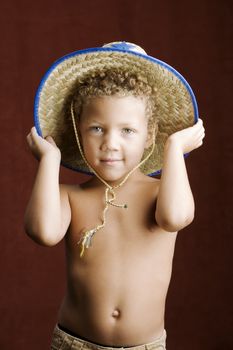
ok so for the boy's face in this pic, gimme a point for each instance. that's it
(114, 134)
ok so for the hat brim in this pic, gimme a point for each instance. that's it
(177, 106)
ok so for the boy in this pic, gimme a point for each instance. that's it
(111, 121)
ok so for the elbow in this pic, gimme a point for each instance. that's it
(175, 224)
(41, 236)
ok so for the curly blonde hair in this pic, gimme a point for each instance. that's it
(113, 82)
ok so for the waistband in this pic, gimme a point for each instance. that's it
(61, 337)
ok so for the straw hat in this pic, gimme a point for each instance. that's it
(176, 106)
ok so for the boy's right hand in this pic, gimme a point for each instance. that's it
(41, 147)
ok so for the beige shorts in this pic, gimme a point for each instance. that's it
(64, 341)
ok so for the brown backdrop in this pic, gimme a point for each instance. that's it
(196, 38)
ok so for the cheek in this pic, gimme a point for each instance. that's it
(87, 146)
(137, 148)
(90, 147)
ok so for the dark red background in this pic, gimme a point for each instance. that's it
(195, 38)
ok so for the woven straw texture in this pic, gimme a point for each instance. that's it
(175, 109)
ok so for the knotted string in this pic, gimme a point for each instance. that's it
(110, 195)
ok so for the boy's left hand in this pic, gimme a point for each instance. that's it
(190, 138)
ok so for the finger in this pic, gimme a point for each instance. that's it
(36, 138)
(34, 131)
(200, 129)
(29, 138)
(201, 132)
(199, 123)
(200, 139)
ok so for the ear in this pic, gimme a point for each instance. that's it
(151, 134)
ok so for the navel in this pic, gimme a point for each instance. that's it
(116, 313)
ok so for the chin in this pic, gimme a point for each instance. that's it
(111, 177)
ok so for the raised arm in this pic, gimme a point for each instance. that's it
(47, 215)
(175, 204)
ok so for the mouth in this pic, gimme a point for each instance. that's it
(110, 161)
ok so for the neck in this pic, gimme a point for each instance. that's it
(136, 175)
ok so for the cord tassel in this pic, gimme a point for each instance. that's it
(86, 240)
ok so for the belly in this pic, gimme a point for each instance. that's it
(118, 299)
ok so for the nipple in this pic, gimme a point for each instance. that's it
(116, 313)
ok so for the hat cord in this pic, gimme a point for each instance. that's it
(110, 195)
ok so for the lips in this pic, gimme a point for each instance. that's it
(110, 160)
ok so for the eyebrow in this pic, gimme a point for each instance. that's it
(127, 124)
(94, 121)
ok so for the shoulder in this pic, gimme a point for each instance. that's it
(72, 191)
(155, 184)
(149, 186)
(67, 191)
(152, 181)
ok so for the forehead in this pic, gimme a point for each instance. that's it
(110, 108)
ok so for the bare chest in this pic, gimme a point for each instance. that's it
(127, 235)
(134, 222)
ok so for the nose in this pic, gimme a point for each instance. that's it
(110, 142)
